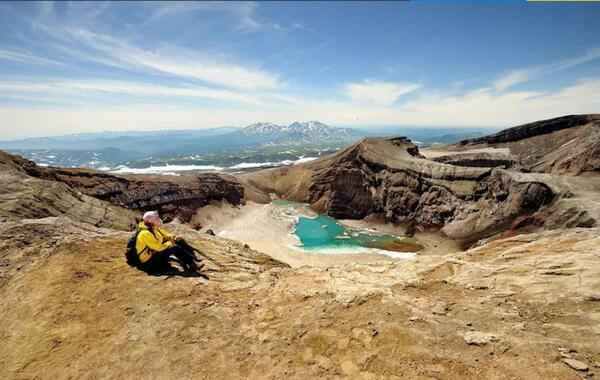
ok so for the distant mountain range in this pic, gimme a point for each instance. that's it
(300, 133)
(256, 143)
(193, 141)
(258, 134)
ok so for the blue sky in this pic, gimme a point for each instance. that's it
(80, 67)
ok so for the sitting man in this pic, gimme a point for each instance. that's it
(154, 247)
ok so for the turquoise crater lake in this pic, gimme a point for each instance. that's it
(324, 232)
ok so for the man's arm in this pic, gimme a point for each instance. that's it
(167, 235)
(150, 241)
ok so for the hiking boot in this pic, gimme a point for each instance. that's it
(191, 267)
(194, 268)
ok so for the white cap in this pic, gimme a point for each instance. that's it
(150, 216)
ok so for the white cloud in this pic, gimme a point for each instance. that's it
(26, 57)
(245, 93)
(229, 75)
(86, 87)
(45, 8)
(479, 108)
(519, 76)
(174, 61)
(244, 12)
(513, 78)
(484, 107)
(382, 93)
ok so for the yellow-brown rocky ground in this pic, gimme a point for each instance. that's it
(72, 308)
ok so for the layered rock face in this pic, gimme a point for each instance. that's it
(389, 177)
(499, 200)
(172, 197)
(536, 128)
(25, 196)
(568, 145)
(479, 160)
(470, 190)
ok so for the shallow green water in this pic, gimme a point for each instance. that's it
(324, 232)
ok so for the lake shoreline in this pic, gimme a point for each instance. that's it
(269, 229)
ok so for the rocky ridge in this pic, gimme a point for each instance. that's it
(479, 160)
(173, 197)
(568, 145)
(25, 196)
(390, 177)
(522, 178)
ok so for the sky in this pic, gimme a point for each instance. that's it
(71, 67)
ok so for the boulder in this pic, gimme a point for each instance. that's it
(576, 364)
(478, 338)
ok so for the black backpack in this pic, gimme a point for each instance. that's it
(131, 254)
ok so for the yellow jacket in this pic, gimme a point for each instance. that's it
(151, 241)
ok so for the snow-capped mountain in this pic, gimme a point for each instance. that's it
(298, 132)
(262, 129)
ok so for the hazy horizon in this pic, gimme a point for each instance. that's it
(233, 127)
(77, 67)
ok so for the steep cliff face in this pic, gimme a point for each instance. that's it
(496, 203)
(26, 196)
(480, 160)
(536, 128)
(568, 145)
(172, 196)
(389, 177)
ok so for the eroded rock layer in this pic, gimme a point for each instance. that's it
(564, 145)
(26, 196)
(481, 160)
(172, 196)
(389, 177)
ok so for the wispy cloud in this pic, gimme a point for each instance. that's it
(475, 108)
(244, 12)
(170, 60)
(88, 87)
(26, 57)
(519, 76)
(291, 27)
(45, 7)
(381, 93)
(198, 88)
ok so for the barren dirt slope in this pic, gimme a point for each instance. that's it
(72, 308)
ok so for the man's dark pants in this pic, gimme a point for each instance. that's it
(159, 262)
